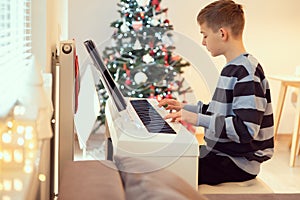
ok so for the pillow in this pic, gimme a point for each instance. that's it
(143, 180)
(90, 179)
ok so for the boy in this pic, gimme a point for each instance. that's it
(238, 121)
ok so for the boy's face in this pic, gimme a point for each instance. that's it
(212, 40)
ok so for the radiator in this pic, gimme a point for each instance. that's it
(65, 87)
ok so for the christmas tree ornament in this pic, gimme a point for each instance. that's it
(142, 15)
(155, 4)
(124, 28)
(128, 81)
(154, 22)
(142, 3)
(140, 77)
(148, 59)
(136, 25)
(167, 22)
(137, 45)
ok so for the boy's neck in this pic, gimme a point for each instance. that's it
(235, 49)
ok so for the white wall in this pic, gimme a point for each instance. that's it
(272, 33)
(49, 26)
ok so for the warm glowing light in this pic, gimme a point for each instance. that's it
(1, 186)
(29, 129)
(18, 156)
(19, 110)
(20, 141)
(18, 185)
(10, 124)
(20, 129)
(7, 156)
(28, 135)
(1, 157)
(27, 169)
(42, 177)
(6, 138)
(31, 145)
(28, 166)
(7, 185)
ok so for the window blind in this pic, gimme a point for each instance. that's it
(15, 48)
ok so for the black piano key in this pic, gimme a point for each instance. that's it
(152, 120)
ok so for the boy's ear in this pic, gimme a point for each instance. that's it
(223, 33)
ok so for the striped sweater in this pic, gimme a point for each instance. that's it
(239, 119)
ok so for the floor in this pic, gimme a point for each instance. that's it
(276, 172)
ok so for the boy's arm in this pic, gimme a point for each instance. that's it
(202, 119)
(252, 109)
(199, 108)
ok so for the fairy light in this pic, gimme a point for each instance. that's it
(31, 145)
(7, 156)
(28, 135)
(9, 124)
(18, 143)
(18, 156)
(19, 110)
(42, 177)
(20, 129)
(7, 185)
(6, 138)
(18, 185)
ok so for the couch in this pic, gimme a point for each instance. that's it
(133, 178)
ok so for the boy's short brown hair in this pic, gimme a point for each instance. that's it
(223, 13)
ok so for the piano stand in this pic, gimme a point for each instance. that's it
(177, 152)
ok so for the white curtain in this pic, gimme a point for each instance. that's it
(15, 48)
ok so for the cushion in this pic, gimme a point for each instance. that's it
(90, 180)
(273, 196)
(144, 180)
(255, 186)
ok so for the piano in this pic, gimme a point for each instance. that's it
(137, 129)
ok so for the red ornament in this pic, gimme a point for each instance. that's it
(155, 2)
(166, 57)
(166, 21)
(151, 45)
(157, 8)
(151, 52)
(128, 81)
(128, 72)
(124, 66)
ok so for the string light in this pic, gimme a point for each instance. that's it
(18, 142)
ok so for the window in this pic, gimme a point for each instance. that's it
(15, 48)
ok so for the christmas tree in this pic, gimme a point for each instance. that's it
(141, 56)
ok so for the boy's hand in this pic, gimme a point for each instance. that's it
(183, 115)
(175, 116)
(170, 104)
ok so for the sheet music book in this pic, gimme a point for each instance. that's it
(106, 77)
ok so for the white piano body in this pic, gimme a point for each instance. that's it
(177, 152)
